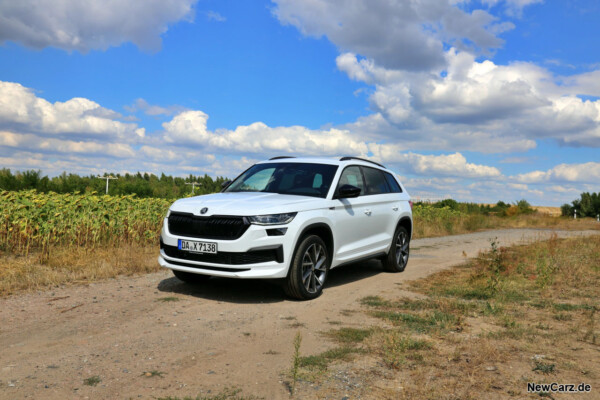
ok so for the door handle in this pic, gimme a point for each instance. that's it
(368, 212)
(395, 208)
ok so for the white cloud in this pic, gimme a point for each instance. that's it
(215, 16)
(22, 111)
(433, 165)
(579, 173)
(153, 110)
(32, 142)
(475, 105)
(189, 128)
(408, 35)
(91, 24)
(513, 7)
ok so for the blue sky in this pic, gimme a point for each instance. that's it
(478, 100)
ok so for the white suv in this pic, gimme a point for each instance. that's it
(291, 218)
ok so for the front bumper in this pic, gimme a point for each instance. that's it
(254, 255)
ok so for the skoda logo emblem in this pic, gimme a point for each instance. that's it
(204, 210)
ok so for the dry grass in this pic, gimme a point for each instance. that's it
(74, 265)
(465, 223)
(485, 329)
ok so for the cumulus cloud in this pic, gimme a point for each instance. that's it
(437, 165)
(22, 111)
(408, 35)
(49, 145)
(90, 24)
(189, 128)
(585, 172)
(480, 100)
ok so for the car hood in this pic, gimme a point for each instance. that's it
(246, 203)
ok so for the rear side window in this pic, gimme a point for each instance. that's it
(376, 181)
(393, 183)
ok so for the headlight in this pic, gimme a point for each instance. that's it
(273, 219)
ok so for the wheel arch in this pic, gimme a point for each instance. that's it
(406, 222)
(322, 230)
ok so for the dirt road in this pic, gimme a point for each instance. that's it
(153, 336)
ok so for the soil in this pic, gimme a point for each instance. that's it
(153, 336)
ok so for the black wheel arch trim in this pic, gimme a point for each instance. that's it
(406, 221)
(316, 225)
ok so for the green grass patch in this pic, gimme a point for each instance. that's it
(431, 321)
(571, 307)
(92, 380)
(321, 361)
(544, 368)
(398, 349)
(168, 299)
(375, 301)
(349, 335)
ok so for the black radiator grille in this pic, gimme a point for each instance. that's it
(250, 257)
(215, 227)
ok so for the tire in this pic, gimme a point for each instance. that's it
(188, 277)
(309, 269)
(397, 257)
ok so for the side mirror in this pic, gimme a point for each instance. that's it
(348, 191)
(225, 184)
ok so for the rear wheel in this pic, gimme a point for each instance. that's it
(397, 257)
(188, 277)
(309, 269)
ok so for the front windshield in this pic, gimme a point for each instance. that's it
(303, 179)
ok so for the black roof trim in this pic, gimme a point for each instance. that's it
(280, 157)
(361, 159)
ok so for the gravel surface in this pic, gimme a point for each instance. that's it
(152, 335)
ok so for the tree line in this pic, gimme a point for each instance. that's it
(143, 185)
(587, 205)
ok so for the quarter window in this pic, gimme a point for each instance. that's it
(376, 182)
(393, 183)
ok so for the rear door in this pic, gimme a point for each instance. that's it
(383, 205)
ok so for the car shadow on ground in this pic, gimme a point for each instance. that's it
(240, 291)
(244, 291)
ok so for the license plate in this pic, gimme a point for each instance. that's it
(197, 247)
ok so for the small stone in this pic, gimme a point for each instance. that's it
(492, 368)
(211, 372)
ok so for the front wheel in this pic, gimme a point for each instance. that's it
(309, 269)
(397, 258)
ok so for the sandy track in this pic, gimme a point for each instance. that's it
(230, 332)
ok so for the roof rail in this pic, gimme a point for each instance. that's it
(280, 157)
(361, 159)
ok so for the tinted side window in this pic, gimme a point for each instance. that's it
(376, 182)
(395, 188)
(352, 176)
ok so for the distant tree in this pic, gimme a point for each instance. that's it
(588, 205)
(146, 185)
